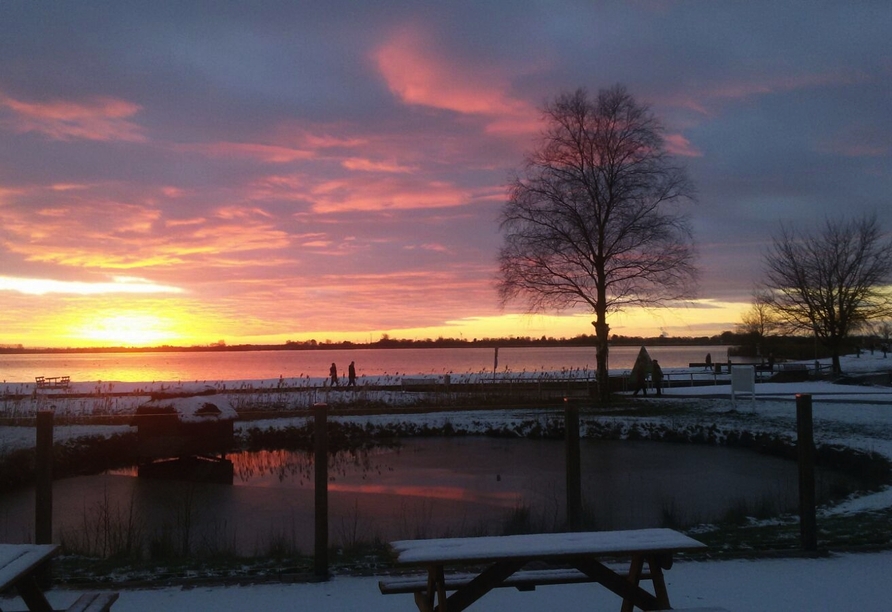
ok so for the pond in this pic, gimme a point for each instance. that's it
(431, 487)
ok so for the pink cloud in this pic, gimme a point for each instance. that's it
(110, 234)
(418, 76)
(386, 194)
(700, 99)
(267, 153)
(679, 145)
(100, 118)
(367, 165)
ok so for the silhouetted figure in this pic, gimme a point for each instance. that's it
(771, 362)
(708, 360)
(351, 375)
(657, 375)
(333, 370)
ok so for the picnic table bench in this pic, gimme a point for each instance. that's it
(528, 561)
(52, 382)
(20, 565)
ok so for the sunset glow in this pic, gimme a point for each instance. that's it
(126, 329)
(258, 174)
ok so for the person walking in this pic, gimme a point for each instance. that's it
(333, 372)
(657, 376)
(351, 375)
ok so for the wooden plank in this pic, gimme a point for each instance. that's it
(522, 580)
(543, 546)
(93, 602)
(19, 560)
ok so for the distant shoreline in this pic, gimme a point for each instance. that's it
(381, 344)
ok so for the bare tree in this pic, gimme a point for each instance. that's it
(593, 220)
(833, 282)
(760, 321)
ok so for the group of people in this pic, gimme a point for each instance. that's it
(656, 375)
(351, 375)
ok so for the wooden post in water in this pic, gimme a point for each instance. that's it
(574, 477)
(805, 445)
(43, 478)
(320, 429)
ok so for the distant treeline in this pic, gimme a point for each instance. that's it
(726, 338)
(782, 347)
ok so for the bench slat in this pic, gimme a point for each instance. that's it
(523, 580)
(93, 602)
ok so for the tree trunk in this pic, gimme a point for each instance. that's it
(602, 331)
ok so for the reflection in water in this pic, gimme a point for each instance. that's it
(425, 488)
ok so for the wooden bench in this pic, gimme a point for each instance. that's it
(525, 580)
(52, 382)
(93, 602)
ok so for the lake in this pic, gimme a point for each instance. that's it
(425, 488)
(266, 365)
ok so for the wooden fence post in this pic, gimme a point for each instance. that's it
(320, 429)
(43, 490)
(43, 478)
(574, 476)
(805, 446)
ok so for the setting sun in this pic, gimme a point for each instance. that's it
(127, 329)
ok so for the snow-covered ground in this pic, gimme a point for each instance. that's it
(855, 416)
(837, 583)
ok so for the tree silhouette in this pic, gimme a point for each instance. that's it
(832, 282)
(591, 219)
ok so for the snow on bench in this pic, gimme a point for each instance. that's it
(93, 602)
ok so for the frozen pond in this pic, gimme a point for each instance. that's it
(427, 487)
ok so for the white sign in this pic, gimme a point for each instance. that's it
(743, 380)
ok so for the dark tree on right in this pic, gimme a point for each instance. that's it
(831, 282)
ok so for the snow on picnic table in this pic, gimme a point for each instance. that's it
(542, 545)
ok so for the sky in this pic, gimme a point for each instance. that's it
(189, 173)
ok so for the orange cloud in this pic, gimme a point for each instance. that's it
(115, 235)
(120, 284)
(98, 119)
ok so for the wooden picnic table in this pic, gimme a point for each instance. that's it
(19, 568)
(579, 557)
(20, 565)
